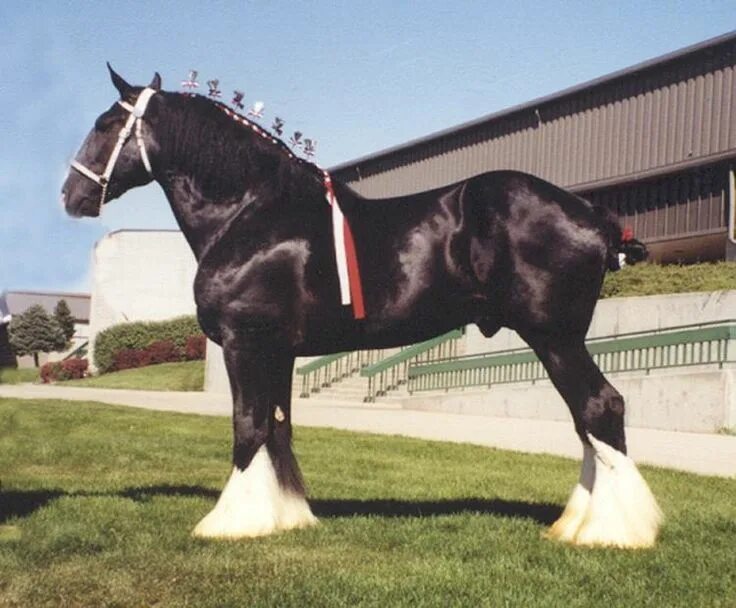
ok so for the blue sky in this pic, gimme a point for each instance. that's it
(356, 76)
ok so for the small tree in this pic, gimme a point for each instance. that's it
(35, 332)
(65, 321)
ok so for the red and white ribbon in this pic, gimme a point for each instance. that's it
(348, 273)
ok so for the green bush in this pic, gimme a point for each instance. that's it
(140, 335)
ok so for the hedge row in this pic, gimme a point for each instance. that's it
(161, 351)
(139, 336)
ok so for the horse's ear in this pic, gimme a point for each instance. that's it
(155, 82)
(119, 83)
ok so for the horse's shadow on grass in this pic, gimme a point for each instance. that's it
(22, 503)
(543, 513)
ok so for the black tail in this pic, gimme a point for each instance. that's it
(633, 250)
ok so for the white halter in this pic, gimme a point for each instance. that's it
(136, 116)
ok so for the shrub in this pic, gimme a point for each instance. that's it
(69, 369)
(75, 368)
(128, 358)
(195, 348)
(163, 351)
(50, 371)
(140, 335)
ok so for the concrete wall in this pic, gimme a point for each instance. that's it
(140, 275)
(615, 316)
(698, 401)
(215, 375)
(684, 399)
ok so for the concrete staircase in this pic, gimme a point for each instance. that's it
(349, 391)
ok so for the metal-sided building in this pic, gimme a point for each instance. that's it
(656, 142)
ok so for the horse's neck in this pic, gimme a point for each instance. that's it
(201, 203)
(200, 216)
(205, 214)
(213, 181)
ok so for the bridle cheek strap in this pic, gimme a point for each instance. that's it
(136, 116)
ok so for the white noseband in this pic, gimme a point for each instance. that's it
(136, 116)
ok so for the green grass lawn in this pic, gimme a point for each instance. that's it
(9, 375)
(97, 504)
(184, 376)
(652, 279)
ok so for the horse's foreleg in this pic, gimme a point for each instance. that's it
(265, 492)
(611, 504)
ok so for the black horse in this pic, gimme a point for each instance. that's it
(501, 249)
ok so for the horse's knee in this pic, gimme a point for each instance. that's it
(603, 416)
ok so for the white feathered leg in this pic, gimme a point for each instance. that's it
(254, 504)
(620, 511)
(567, 526)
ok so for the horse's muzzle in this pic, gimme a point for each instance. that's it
(79, 199)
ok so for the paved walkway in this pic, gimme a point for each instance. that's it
(699, 453)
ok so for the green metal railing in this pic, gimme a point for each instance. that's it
(682, 346)
(80, 351)
(323, 372)
(390, 373)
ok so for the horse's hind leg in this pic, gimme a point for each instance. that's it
(611, 504)
(265, 492)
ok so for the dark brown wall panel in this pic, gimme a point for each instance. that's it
(679, 111)
(674, 206)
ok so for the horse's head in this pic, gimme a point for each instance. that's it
(114, 157)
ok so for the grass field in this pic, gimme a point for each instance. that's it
(9, 375)
(97, 503)
(184, 376)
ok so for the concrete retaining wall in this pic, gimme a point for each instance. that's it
(702, 401)
(685, 399)
(623, 315)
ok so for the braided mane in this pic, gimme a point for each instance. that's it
(265, 139)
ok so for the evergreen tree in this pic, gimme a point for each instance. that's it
(65, 321)
(35, 332)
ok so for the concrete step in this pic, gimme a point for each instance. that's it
(318, 402)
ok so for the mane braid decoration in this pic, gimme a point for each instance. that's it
(261, 132)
